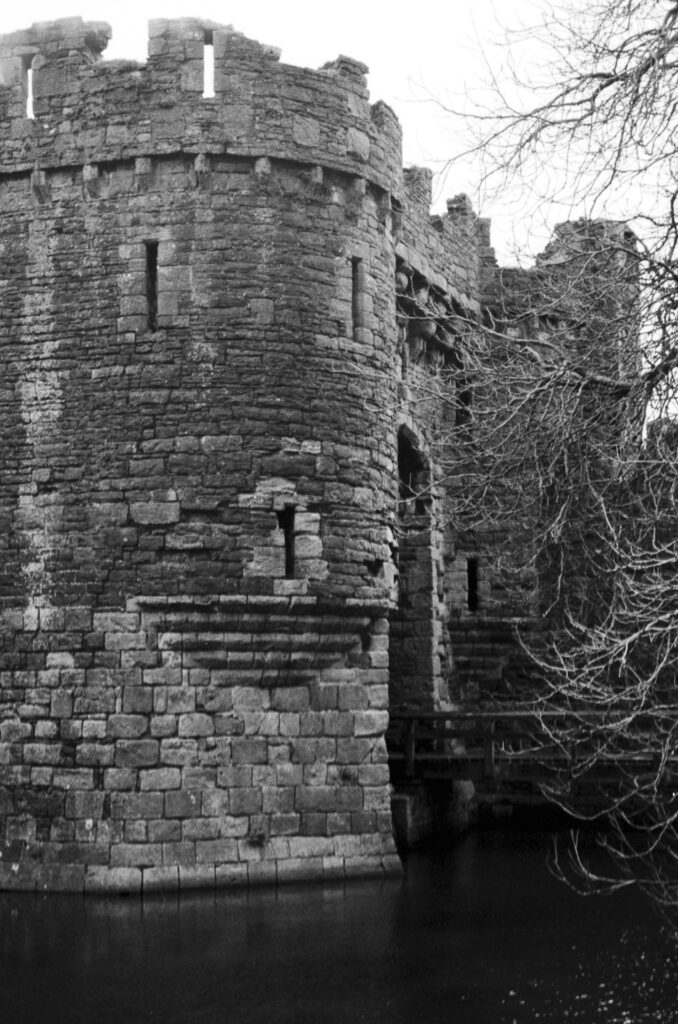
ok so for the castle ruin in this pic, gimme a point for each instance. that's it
(220, 561)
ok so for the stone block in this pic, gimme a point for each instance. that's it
(116, 622)
(42, 753)
(284, 824)
(84, 804)
(134, 830)
(353, 751)
(249, 751)
(163, 831)
(179, 853)
(377, 798)
(216, 851)
(73, 778)
(315, 798)
(159, 779)
(136, 753)
(313, 823)
(125, 641)
(289, 724)
(137, 700)
(234, 827)
(136, 855)
(277, 800)
(301, 869)
(228, 725)
(353, 697)
(199, 876)
(180, 752)
(245, 801)
(14, 731)
(61, 705)
(163, 726)
(127, 726)
(363, 821)
(130, 806)
(294, 698)
(155, 512)
(333, 868)
(215, 803)
(180, 700)
(289, 774)
(231, 875)
(338, 824)
(160, 879)
(61, 878)
(250, 698)
(350, 798)
(214, 699)
(196, 724)
(310, 846)
(200, 828)
(119, 779)
(370, 723)
(122, 880)
(183, 804)
(60, 659)
(373, 775)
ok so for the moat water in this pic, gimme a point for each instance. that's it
(479, 932)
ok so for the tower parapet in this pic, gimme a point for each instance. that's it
(90, 111)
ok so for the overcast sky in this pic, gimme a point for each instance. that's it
(414, 50)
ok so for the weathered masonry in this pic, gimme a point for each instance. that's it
(212, 532)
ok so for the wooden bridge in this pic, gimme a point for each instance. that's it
(523, 751)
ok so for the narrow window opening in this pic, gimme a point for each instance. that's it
(472, 584)
(208, 67)
(29, 94)
(152, 284)
(357, 287)
(286, 524)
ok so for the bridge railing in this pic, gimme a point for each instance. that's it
(490, 744)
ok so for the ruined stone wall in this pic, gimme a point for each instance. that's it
(437, 286)
(198, 422)
(225, 546)
(452, 636)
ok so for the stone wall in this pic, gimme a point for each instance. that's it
(220, 517)
(212, 740)
(197, 497)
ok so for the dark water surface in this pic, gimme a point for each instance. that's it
(478, 933)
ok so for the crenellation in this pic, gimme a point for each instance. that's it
(82, 109)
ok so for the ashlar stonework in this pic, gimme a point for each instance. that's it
(210, 541)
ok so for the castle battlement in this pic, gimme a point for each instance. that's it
(90, 111)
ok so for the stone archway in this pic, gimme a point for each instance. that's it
(412, 635)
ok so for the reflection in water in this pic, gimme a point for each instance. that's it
(479, 933)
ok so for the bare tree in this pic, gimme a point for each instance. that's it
(567, 458)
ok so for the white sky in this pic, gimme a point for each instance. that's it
(413, 49)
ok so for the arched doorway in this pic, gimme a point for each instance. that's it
(413, 644)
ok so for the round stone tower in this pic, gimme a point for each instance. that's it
(197, 335)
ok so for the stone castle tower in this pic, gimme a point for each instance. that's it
(210, 535)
